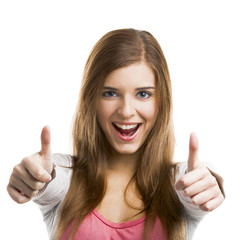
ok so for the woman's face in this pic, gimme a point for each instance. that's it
(127, 107)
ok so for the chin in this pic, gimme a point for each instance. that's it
(126, 150)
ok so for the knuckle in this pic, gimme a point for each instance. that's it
(183, 181)
(33, 193)
(39, 174)
(217, 190)
(38, 185)
(207, 207)
(9, 189)
(186, 192)
(26, 160)
(205, 172)
(194, 201)
(12, 181)
(16, 169)
(222, 196)
(214, 181)
(211, 181)
(20, 200)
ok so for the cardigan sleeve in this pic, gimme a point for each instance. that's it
(192, 213)
(51, 196)
(190, 209)
(56, 189)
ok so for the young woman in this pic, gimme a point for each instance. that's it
(121, 182)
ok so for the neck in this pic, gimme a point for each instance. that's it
(122, 163)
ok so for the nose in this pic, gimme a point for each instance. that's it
(126, 108)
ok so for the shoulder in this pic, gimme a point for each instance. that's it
(180, 170)
(63, 160)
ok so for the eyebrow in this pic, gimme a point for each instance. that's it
(115, 89)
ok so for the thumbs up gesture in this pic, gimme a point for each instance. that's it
(31, 175)
(198, 183)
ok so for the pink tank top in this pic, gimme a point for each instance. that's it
(96, 227)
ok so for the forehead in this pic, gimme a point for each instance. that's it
(136, 75)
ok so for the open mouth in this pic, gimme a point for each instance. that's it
(127, 130)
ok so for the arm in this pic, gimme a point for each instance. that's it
(50, 198)
(54, 191)
(32, 173)
(198, 185)
(190, 209)
(195, 211)
(199, 189)
(34, 178)
(44, 178)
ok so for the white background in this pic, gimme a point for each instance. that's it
(43, 48)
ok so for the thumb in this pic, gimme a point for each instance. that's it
(193, 161)
(46, 149)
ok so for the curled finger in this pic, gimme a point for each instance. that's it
(212, 204)
(16, 195)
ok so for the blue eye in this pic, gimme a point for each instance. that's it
(109, 94)
(144, 94)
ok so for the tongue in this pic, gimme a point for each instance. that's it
(127, 132)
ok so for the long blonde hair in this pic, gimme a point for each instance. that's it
(155, 172)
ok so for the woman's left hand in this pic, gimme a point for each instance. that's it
(198, 183)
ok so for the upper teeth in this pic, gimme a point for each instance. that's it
(126, 126)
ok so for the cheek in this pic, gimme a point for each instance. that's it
(149, 112)
(105, 111)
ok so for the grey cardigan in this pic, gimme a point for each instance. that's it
(50, 198)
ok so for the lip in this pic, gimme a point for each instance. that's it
(127, 138)
(126, 123)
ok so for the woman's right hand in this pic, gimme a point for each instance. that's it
(31, 175)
